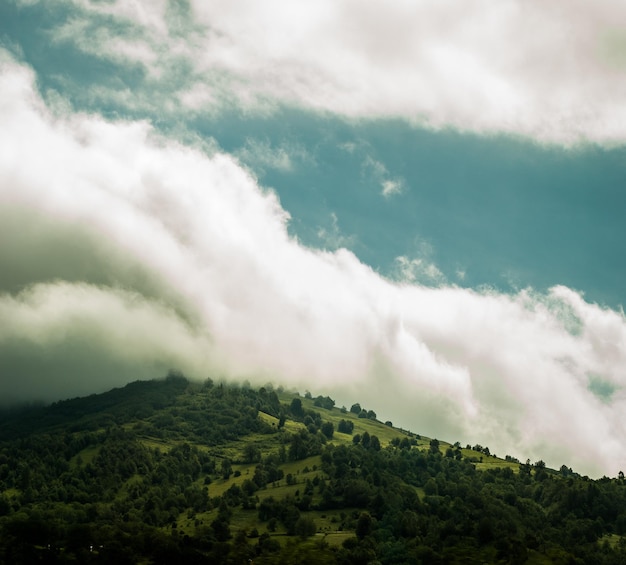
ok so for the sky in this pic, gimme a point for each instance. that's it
(408, 205)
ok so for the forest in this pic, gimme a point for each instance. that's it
(173, 471)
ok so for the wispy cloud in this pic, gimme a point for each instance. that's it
(418, 270)
(391, 187)
(122, 44)
(418, 267)
(332, 237)
(378, 171)
(230, 291)
(260, 155)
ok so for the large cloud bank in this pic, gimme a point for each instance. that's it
(555, 72)
(124, 253)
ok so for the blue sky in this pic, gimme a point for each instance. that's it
(405, 202)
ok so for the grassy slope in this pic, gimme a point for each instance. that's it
(327, 522)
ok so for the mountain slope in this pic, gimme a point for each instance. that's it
(164, 471)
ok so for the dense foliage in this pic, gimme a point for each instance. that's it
(169, 471)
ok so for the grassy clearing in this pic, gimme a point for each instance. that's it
(361, 425)
(303, 466)
(156, 443)
(268, 419)
(280, 491)
(301, 470)
(612, 539)
(336, 539)
(265, 443)
(293, 427)
(246, 520)
(385, 433)
(85, 456)
(289, 426)
(420, 492)
(326, 521)
(538, 558)
(219, 486)
(12, 492)
(189, 523)
(484, 462)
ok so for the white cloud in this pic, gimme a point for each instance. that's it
(332, 237)
(348, 147)
(260, 155)
(105, 42)
(554, 73)
(418, 270)
(151, 15)
(391, 187)
(516, 373)
(378, 171)
(420, 267)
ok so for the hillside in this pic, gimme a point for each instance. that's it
(171, 471)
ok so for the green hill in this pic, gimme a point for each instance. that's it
(176, 472)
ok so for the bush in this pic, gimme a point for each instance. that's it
(345, 427)
(328, 429)
(305, 527)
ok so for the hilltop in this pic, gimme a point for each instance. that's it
(172, 471)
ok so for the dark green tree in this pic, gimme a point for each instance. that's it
(305, 527)
(328, 429)
(226, 468)
(296, 408)
(345, 426)
(363, 525)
